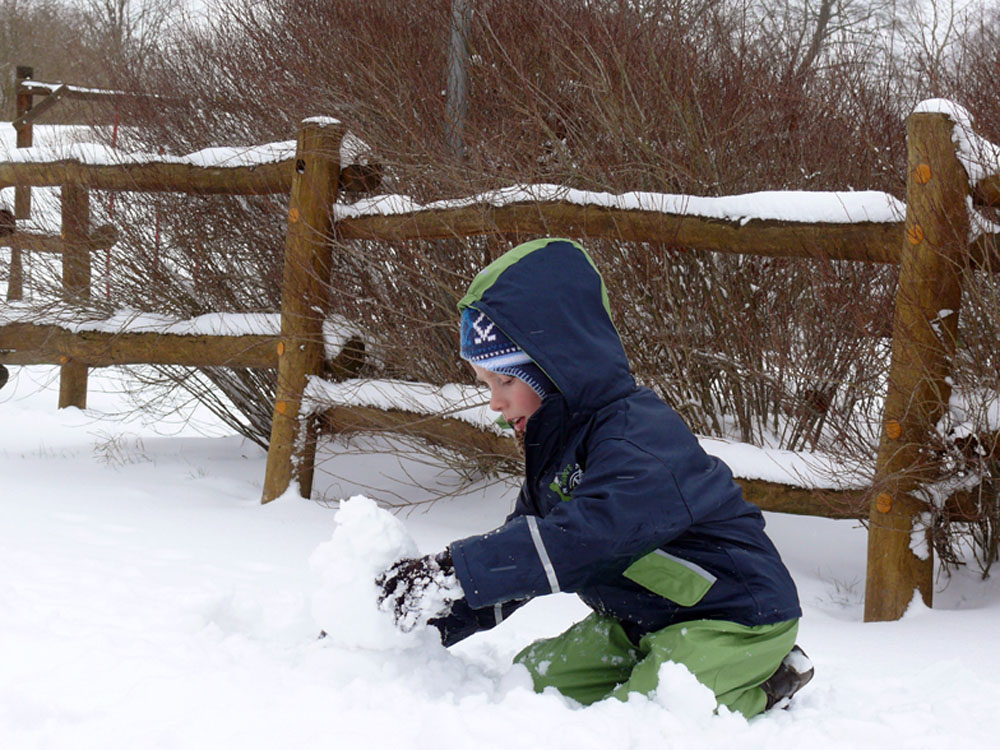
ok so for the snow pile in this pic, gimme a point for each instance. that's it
(366, 541)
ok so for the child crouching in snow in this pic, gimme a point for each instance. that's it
(620, 505)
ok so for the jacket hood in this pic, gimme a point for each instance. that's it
(548, 297)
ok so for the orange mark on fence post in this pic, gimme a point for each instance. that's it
(281, 348)
(884, 502)
(922, 173)
(281, 407)
(893, 429)
(293, 215)
(63, 359)
(915, 234)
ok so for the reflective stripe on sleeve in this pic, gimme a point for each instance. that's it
(543, 555)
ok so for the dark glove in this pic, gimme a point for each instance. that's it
(419, 590)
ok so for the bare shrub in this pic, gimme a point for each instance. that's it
(681, 96)
(684, 96)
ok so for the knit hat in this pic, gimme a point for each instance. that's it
(485, 345)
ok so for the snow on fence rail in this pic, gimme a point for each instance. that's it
(933, 236)
(252, 170)
(857, 226)
(64, 333)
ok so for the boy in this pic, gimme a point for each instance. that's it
(620, 505)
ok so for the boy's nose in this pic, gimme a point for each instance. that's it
(496, 402)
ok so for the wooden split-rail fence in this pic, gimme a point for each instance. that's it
(931, 246)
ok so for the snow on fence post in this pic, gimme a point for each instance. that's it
(76, 283)
(304, 302)
(934, 254)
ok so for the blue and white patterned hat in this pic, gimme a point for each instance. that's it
(485, 345)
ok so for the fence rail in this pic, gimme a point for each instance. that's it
(931, 246)
(36, 344)
(159, 177)
(875, 242)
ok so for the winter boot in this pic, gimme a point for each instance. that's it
(795, 671)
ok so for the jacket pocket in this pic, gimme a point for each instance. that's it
(671, 577)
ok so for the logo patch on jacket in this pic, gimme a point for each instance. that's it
(566, 481)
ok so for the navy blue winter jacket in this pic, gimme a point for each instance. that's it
(620, 504)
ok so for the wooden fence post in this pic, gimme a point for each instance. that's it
(934, 256)
(304, 302)
(22, 193)
(76, 283)
(15, 277)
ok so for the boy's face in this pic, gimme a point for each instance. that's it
(510, 396)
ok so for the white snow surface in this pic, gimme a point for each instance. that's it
(792, 205)
(336, 330)
(52, 145)
(99, 154)
(468, 403)
(132, 321)
(149, 601)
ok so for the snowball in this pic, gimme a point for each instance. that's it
(366, 541)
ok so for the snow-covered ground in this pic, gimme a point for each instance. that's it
(147, 600)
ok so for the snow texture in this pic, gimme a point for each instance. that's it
(352, 150)
(793, 206)
(365, 541)
(149, 600)
(465, 402)
(99, 154)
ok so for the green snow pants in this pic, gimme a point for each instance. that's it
(594, 659)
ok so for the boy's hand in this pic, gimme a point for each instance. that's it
(419, 590)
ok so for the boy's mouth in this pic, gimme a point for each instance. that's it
(518, 424)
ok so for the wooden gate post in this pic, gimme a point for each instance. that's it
(925, 324)
(304, 303)
(76, 284)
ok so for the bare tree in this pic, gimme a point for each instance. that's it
(129, 30)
